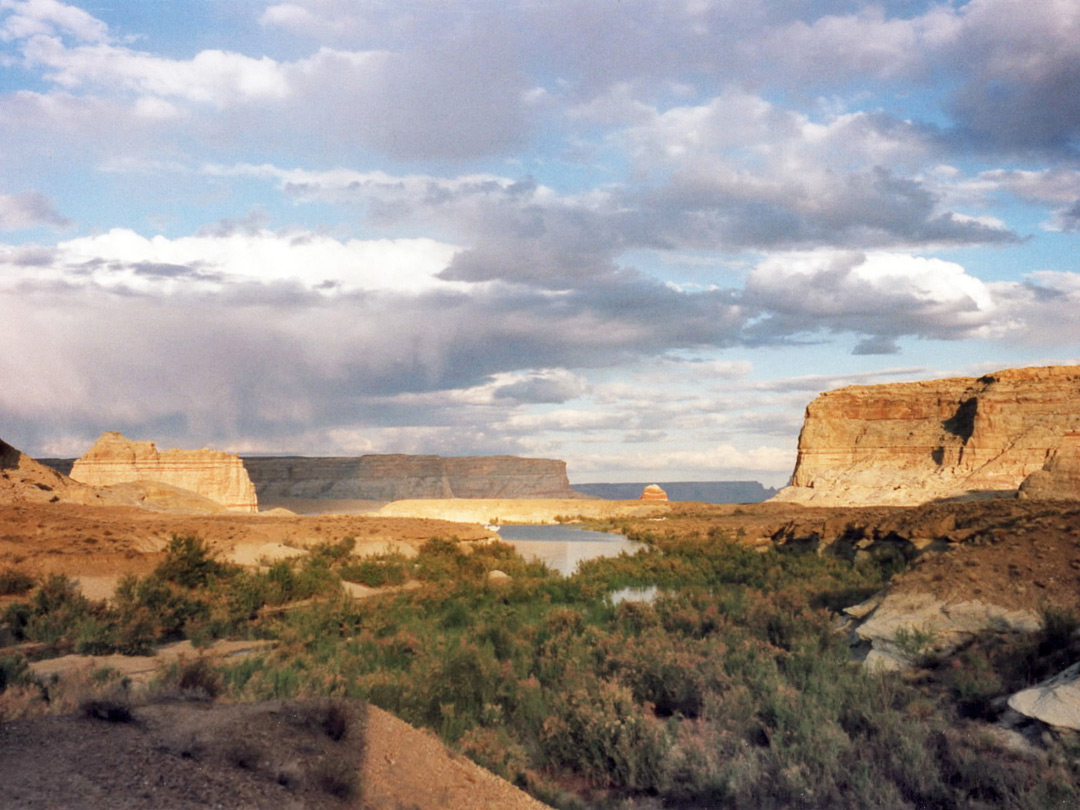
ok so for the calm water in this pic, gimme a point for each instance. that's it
(562, 547)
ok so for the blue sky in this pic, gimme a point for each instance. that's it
(638, 235)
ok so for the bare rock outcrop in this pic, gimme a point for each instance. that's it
(214, 474)
(399, 477)
(22, 479)
(653, 492)
(1055, 701)
(1059, 479)
(901, 626)
(909, 443)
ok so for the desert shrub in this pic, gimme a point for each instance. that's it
(497, 750)
(55, 612)
(377, 571)
(915, 643)
(314, 577)
(94, 635)
(189, 563)
(602, 733)
(199, 679)
(333, 553)
(14, 671)
(16, 616)
(439, 560)
(1058, 626)
(157, 607)
(113, 709)
(14, 582)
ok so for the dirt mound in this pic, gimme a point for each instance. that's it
(24, 480)
(296, 754)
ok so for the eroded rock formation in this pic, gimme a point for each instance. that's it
(909, 443)
(214, 474)
(24, 479)
(1059, 479)
(397, 477)
(653, 492)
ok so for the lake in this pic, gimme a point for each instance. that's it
(563, 547)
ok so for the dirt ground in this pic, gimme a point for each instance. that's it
(44, 538)
(182, 754)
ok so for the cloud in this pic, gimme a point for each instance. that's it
(880, 295)
(124, 260)
(28, 209)
(551, 386)
(49, 17)
(1021, 69)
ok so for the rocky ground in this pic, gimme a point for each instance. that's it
(182, 753)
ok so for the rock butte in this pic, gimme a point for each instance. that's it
(400, 477)
(653, 492)
(909, 443)
(214, 474)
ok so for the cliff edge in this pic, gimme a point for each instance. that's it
(214, 474)
(909, 443)
(397, 477)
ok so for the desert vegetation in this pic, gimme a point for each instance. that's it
(734, 687)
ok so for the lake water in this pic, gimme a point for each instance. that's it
(563, 547)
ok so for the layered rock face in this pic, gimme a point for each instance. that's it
(1059, 479)
(399, 477)
(214, 474)
(653, 492)
(909, 443)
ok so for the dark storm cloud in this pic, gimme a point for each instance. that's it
(879, 344)
(29, 209)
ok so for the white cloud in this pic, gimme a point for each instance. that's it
(123, 259)
(46, 17)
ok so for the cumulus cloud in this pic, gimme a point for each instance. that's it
(31, 18)
(880, 295)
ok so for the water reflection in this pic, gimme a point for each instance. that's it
(634, 594)
(561, 548)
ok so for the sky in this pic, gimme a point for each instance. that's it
(637, 235)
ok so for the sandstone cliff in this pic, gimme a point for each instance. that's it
(1059, 479)
(909, 443)
(397, 477)
(216, 475)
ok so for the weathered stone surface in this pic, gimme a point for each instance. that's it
(910, 443)
(399, 477)
(653, 492)
(1059, 479)
(1055, 701)
(26, 480)
(903, 625)
(214, 474)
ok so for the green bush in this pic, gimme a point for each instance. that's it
(377, 571)
(14, 582)
(189, 563)
(14, 671)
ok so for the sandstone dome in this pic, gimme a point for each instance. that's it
(653, 492)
